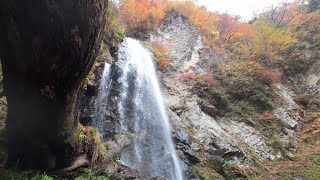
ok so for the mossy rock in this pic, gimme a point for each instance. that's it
(91, 141)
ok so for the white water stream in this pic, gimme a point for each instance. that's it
(142, 114)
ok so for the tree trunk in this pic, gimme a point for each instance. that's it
(47, 48)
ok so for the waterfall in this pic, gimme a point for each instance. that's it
(102, 101)
(142, 114)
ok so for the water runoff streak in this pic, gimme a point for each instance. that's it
(142, 114)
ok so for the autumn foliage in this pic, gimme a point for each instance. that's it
(159, 50)
(141, 14)
(266, 115)
(207, 79)
(271, 44)
(187, 76)
(269, 76)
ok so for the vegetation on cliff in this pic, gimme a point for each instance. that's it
(43, 76)
(278, 44)
(274, 45)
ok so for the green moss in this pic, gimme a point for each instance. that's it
(204, 172)
(284, 175)
(17, 174)
(98, 142)
(90, 138)
(316, 160)
(311, 173)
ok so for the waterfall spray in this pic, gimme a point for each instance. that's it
(142, 115)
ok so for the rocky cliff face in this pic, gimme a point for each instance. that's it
(204, 135)
(210, 139)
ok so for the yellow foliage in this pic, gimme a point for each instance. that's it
(267, 42)
(241, 70)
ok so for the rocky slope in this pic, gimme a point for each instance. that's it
(205, 136)
(212, 140)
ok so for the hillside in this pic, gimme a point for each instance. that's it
(242, 98)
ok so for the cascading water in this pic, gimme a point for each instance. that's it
(102, 101)
(142, 114)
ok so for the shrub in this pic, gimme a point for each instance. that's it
(269, 76)
(241, 70)
(113, 33)
(219, 99)
(159, 50)
(256, 93)
(187, 75)
(209, 80)
(266, 115)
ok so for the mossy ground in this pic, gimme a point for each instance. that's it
(306, 163)
(17, 174)
(204, 172)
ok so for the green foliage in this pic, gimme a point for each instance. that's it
(114, 33)
(112, 18)
(12, 174)
(119, 33)
(256, 93)
(17, 174)
(222, 101)
(243, 108)
(261, 98)
(267, 43)
(89, 174)
(112, 14)
(42, 177)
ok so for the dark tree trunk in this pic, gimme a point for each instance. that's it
(47, 48)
